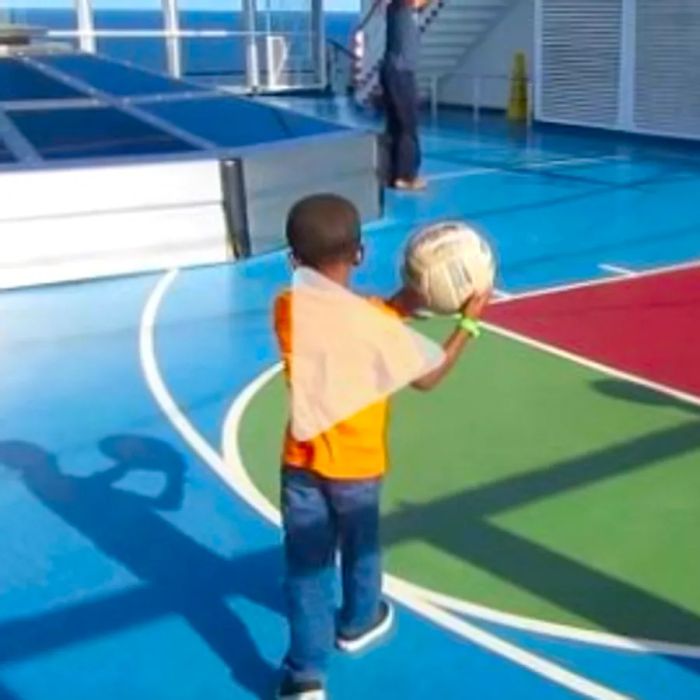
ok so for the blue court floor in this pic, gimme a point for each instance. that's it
(136, 562)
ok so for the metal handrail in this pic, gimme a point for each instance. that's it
(477, 79)
(340, 48)
(368, 16)
(163, 33)
(340, 64)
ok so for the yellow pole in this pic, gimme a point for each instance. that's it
(517, 105)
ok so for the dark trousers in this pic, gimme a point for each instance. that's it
(322, 517)
(401, 107)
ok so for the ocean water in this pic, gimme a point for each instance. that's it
(200, 56)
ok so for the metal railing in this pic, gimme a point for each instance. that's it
(259, 60)
(272, 49)
(340, 63)
(478, 82)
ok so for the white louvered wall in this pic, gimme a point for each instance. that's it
(667, 70)
(621, 64)
(579, 71)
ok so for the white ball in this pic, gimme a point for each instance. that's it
(446, 263)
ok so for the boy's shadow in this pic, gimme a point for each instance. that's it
(180, 576)
(629, 391)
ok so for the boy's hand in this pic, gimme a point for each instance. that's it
(475, 305)
(453, 346)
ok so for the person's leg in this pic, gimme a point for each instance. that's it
(408, 147)
(356, 505)
(412, 92)
(392, 125)
(310, 546)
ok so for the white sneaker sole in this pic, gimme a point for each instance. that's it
(376, 633)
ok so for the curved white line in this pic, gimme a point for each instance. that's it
(233, 473)
(233, 458)
(603, 281)
(407, 594)
(552, 629)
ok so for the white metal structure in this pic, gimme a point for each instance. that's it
(621, 64)
(450, 30)
(94, 221)
(285, 52)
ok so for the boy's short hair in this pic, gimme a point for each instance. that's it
(323, 229)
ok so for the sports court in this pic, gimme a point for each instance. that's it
(541, 515)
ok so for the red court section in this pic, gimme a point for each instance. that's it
(647, 325)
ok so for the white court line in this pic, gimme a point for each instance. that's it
(480, 612)
(598, 366)
(233, 473)
(501, 294)
(543, 165)
(602, 281)
(518, 168)
(617, 270)
(457, 174)
(398, 589)
(551, 629)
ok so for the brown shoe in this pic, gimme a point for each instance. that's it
(417, 184)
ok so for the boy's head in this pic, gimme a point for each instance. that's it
(324, 231)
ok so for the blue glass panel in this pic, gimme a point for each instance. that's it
(21, 82)
(113, 78)
(231, 122)
(144, 52)
(93, 133)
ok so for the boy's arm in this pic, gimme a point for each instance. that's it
(453, 346)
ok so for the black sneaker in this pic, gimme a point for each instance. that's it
(300, 690)
(379, 629)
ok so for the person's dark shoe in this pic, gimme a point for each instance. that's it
(357, 642)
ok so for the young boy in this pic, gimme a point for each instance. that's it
(331, 483)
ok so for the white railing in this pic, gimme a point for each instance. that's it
(268, 60)
(478, 82)
(260, 58)
(368, 44)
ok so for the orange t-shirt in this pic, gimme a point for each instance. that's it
(354, 448)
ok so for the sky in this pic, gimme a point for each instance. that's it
(331, 5)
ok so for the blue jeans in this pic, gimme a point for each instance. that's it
(321, 518)
(402, 115)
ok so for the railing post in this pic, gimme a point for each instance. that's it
(477, 97)
(86, 26)
(358, 52)
(252, 66)
(434, 84)
(171, 23)
(318, 35)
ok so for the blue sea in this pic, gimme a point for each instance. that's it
(200, 56)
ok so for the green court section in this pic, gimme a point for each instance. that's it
(535, 486)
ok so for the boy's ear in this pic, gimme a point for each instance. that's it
(293, 261)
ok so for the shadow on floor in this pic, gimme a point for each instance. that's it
(179, 575)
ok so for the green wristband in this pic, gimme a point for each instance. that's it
(470, 326)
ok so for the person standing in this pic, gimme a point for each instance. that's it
(400, 88)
